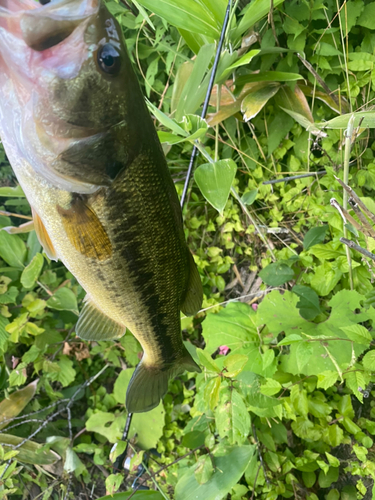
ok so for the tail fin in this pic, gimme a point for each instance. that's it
(149, 384)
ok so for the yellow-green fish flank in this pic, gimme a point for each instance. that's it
(83, 146)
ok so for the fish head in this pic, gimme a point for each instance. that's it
(65, 75)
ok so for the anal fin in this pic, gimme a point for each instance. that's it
(43, 237)
(92, 324)
(85, 231)
(194, 292)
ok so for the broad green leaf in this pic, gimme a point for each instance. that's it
(270, 387)
(325, 278)
(367, 18)
(194, 126)
(249, 197)
(204, 469)
(72, 461)
(63, 300)
(186, 14)
(232, 417)
(291, 339)
(242, 61)
(268, 76)
(303, 354)
(113, 482)
(358, 334)
(166, 121)
(206, 360)
(366, 118)
(32, 271)
(12, 192)
(234, 463)
(183, 74)
(255, 100)
(12, 249)
(308, 304)
(16, 402)
(307, 124)
(327, 379)
(212, 392)
(148, 426)
(234, 363)
(369, 361)
(294, 100)
(254, 12)
(30, 452)
(314, 236)
(276, 274)
(215, 180)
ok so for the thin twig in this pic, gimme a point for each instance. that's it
(294, 177)
(260, 454)
(359, 249)
(357, 199)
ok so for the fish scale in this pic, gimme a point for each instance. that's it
(84, 149)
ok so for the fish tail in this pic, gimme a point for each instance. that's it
(150, 383)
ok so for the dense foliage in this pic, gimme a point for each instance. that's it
(283, 407)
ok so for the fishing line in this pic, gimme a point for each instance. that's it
(119, 462)
(207, 99)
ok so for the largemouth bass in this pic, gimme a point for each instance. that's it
(82, 144)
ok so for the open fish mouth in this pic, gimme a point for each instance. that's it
(43, 26)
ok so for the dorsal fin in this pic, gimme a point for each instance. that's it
(85, 231)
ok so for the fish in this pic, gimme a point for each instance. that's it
(76, 130)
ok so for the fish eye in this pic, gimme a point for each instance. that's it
(109, 59)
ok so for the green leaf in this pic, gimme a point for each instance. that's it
(365, 118)
(291, 339)
(308, 304)
(113, 482)
(30, 452)
(186, 14)
(367, 18)
(255, 11)
(204, 469)
(327, 379)
(358, 334)
(16, 402)
(256, 99)
(325, 480)
(276, 274)
(12, 249)
(234, 463)
(249, 197)
(63, 300)
(234, 363)
(368, 361)
(303, 353)
(32, 271)
(215, 181)
(232, 417)
(166, 121)
(242, 61)
(72, 461)
(268, 76)
(13, 192)
(206, 360)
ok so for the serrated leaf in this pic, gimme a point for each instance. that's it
(358, 334)
(276, 274)
(303, 353)
(234, 363)
(308, 304)
(215, 181)
(327, 379)
(368, 361)
(232, 417)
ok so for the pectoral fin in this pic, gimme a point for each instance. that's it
(23, 228)
(94, 325)
(43, 237)
(85, 231)
(194, 291)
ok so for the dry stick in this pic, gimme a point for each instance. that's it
(294, 177)
(345, 214)
(51, 417)
(359, 249)
(318, 79)
(367, 229)
(356, 198)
